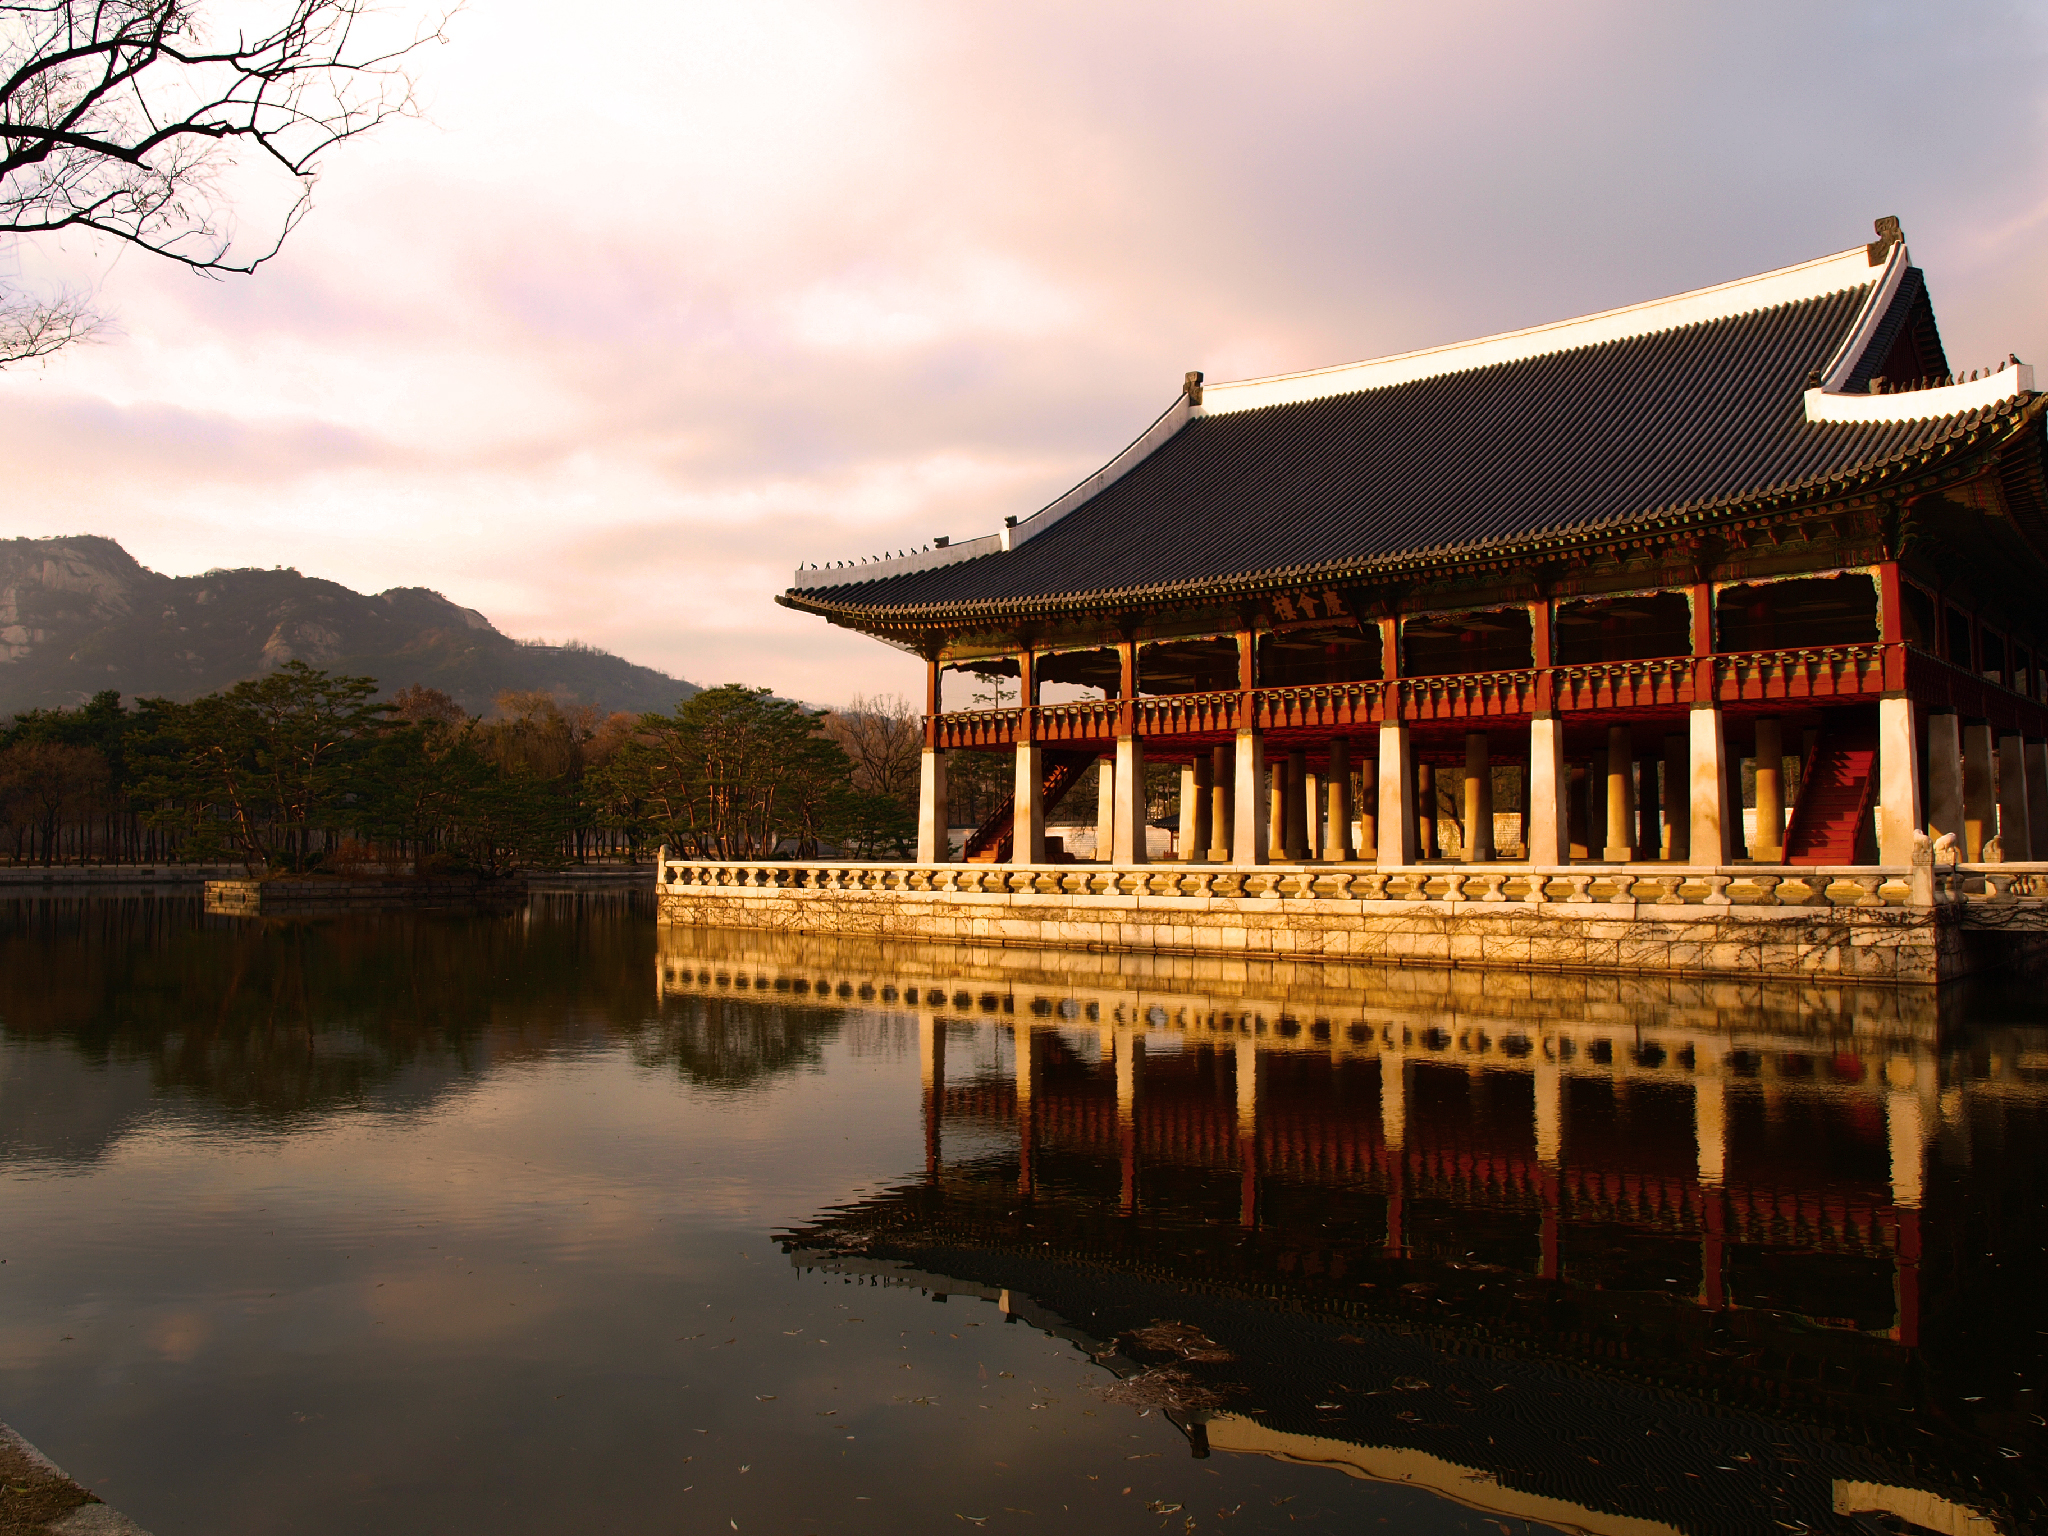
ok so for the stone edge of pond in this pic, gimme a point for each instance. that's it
(90, 1518)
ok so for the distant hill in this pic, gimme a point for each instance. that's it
(78, 615)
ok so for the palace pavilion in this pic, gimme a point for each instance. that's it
(1756, 544)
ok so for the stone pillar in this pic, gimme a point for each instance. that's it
(1222, 769)
(1707, 808)
(1105, 808)
(1425, 811)
(1944, 775)
(1396, 783)
(1478, 799)
(1545, 813)
(1027, 823)
(2037, 799)
(2015, 830)
(1677, 816)
(1368, 804)
(1312, 811)
(1620, 834)
(1980, 803)
(1295, 805)
(931, 808)
(1337, 829)
(1767, 846)
(1248, 822)
(1898, 781)
(1192, 800)
(1276, 808)
(1128, 846)
(1649, 810)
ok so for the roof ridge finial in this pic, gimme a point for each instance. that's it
(1888, 235)
(1192, 386)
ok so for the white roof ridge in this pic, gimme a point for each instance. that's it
(1765, 290)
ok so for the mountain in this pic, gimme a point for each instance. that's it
(78, 615)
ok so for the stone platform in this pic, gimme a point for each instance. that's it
(1861, 924)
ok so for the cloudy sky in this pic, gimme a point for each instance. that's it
(661, 299)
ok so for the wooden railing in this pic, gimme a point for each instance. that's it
(1747, 679)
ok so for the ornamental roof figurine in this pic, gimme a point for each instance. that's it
(1660, 415)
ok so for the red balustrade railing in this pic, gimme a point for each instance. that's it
(1757, 679)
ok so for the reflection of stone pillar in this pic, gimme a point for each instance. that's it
(1907, 1134)
(1620, 760)
(1248, 1131)
(1337, 830)
(1677, 814)
(1394, 1071)
(1129, 847)
(1944, 775)
(1549, 1086)
(1710, 1125)
(1714, 1249)
(1027, 820)
(1396, 784)
(1025, 1069)
(1707, 790)
(1130, 1065)
(1544, 811)
(2015, 832)
(1768, 844)
(1248, 821)
(1105, 807)
(1478, 799)
(1898, 781)
(1221, 771)
(931, 808)
(1980, 804)
(931, 1063)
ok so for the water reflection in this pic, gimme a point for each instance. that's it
(442, 1222)
(1592, 1253)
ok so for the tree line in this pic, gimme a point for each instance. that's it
(303, 770)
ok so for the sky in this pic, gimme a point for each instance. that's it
(641, 313)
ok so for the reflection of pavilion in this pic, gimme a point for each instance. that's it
(1351, 1177)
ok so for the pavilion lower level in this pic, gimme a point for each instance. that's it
(1616, 761)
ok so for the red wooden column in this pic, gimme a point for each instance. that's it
(1127, 839)
(932, 845)
(1545, 832)
(931, 701)
(1716, 817)
(1891, 624)
(1027, 819)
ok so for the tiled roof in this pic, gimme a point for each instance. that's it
(1625, 428)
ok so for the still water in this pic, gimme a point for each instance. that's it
(562, 1221)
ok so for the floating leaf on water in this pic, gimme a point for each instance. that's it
(1160, 1507)
(1410, 1384)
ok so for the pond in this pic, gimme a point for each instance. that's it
(559, 1219)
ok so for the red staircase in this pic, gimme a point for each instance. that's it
(1836, 791)
(995, 839)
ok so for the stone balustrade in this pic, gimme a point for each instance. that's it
(1577, 884)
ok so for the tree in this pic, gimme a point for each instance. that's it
(46, 784)
(884, 738)
(137, 121)
(731, 774)
(260, 767)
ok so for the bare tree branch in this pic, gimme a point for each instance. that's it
(126, 119)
